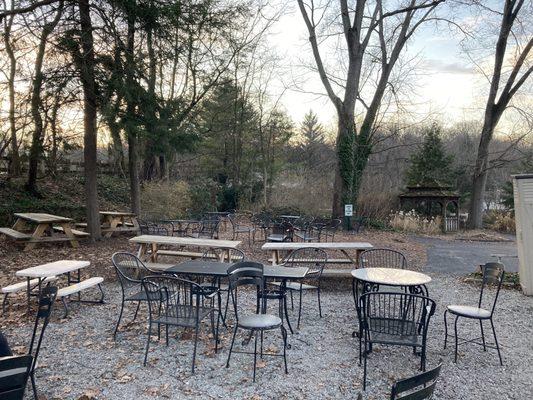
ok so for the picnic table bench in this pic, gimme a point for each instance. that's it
(35, 228)
(151, 245)
(118, 221)
(276, 248)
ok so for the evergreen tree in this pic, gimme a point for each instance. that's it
(430, 165)
(313, 139)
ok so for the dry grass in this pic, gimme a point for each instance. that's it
(412, 222)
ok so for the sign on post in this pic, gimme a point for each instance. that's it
(348, 210)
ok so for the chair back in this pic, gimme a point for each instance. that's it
(493, 274)
(172, 297)
(396, 314)
(209, 227)
(420, 386)
(382, 258)
(14, 373)
(246, 273)
(282, 228)
(309, 257)
(221, 254)
(46, 303)
(130, 270)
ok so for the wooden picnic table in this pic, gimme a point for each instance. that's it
(118, 221)
(40, 227)
(343, 247)
(51, 269)
(152, 244)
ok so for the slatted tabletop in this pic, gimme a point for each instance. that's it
(42, 218)
(319, 245)
(118, 213)
(53, 268)
(182, 241)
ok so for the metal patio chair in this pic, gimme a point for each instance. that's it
(14, 374)
(241, 225)
(395, 318)
(329, 229)
(305, 230)
(313, 258)
(207, 228)
(177, 302)
(46, 302)
(250, 274)
(492, 274)
(418, 387)
(382, 258)
(281, 231)
(130, 271)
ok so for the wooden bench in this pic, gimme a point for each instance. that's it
(332, 261)
(19, 286)
(13, 234)
(74, 231)
(65, 292)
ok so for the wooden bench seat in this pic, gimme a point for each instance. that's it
(74, 231)
(190, 254)
(158, 266)
(337, 273)
(67, 291)
(330, 261)
(13, 234)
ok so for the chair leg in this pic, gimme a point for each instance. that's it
(482, 334)
(456, 338)
(445, 328)
(119, 318)
(231, 346)
(4, 303)
(262, 344)
(496, 341)
(34, 386)
(292, 300)
(319, 302)
(364, 368)
(137, 310)
(65, 305)
(147, 343)
(226, 310)
(216, 332)
(284, 336)
(166, 333)
(299, 309)
(255, 354)
(195, 346)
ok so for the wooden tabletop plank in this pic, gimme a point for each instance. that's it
(42, 218)
(183, 241)
(53, 268)
(319, 245)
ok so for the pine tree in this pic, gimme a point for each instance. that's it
(430, 165)
(313, 139)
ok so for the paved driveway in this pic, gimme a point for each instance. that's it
(460, 257)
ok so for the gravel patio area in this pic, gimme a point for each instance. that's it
(80, 360)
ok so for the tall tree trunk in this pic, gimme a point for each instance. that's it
(89, 119)
(133, 145)
(36, 148)
(342, 186)
(14, 164)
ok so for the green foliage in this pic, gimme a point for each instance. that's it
(430, 165)
(164, 200)
(203, 196)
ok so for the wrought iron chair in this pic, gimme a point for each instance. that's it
(208, 228)
(251, 274)
(330, 229)
(130, 271)
(492, 274)
(305, 230)
(14, 373)
(46, 302)
(152, 228)
(281, 231)
(177, 302)
(262, 221)
(239, 226)
(419, 387)
(313, 258)
(382, 258)
(395, 318)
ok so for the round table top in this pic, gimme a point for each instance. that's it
(391, 276)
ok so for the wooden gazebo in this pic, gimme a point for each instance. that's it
(427, 197)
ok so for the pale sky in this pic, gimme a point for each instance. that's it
(446, 86)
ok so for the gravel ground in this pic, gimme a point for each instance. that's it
(80, 360)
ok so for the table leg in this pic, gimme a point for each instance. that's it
(153, 256)
(20, 225)
(275, 257)
(349, 257)
(68, 231)
(135, 223)
(37, 234)
(113, 223)
(283, 288)
(28, 292)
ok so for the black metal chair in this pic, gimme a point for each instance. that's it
(305, 230)
(313, 258)
(47, 299)
(262, 221)
(330, 229)
(281, 231)
(492, 274)
(418, 387)
(208, 228)
(130, 271)
(14, 373)
(251, 274)
(242, 225)
(152, 228)
(395, 318)
(177, 302)
(382, 258)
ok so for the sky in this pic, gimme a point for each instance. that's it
(446, 85)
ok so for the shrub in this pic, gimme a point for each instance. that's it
(413, 222)
(500, 221)
(164, 200)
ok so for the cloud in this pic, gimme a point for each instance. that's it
(449, 68)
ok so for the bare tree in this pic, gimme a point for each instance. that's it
(504, 85)
(366, 26)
